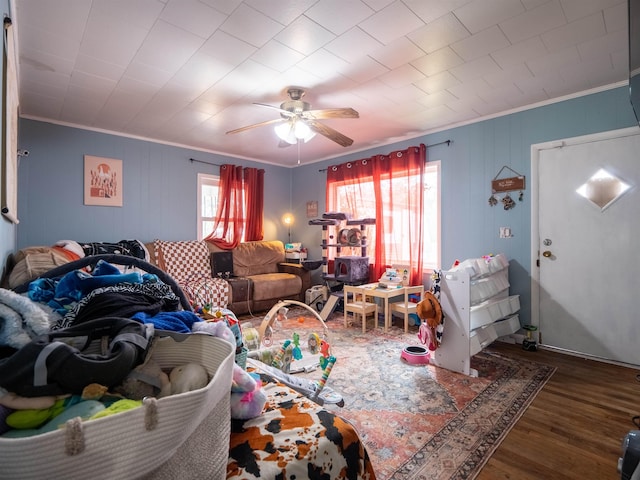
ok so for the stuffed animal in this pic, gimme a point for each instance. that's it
(247, 397)
(146, 380)
(187, 377)
(217, 329)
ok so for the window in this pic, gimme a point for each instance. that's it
(208, 186)
(208, 204)
(398, 223)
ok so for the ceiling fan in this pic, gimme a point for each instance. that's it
(298, 122)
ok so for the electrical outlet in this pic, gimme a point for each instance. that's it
(505, 232)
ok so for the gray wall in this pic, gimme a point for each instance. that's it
(160, 194)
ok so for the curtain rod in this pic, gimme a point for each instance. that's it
(448, 142)
(202, 161)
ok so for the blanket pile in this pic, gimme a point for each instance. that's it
(21, 320)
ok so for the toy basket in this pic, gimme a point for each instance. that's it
(180, 436)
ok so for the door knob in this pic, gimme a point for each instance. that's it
(546, 253)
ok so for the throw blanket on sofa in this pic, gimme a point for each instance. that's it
(189, 264)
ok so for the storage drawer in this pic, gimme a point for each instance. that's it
(480, 338)
(507, 326)
(494, 309)
(485, 288)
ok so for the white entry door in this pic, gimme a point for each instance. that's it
(586, 258)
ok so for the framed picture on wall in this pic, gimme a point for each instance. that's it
(102, 181)
(312, 209)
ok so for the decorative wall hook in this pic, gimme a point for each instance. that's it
(508, 202)
(506, 185)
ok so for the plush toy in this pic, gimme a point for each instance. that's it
(93, 391)
(187, 377)
(146, 380)
(217, 329)
(247, 397)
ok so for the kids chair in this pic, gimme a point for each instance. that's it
(355, 301)
(406, 307)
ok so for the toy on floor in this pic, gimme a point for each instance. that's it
(247, 397)
(315, 390)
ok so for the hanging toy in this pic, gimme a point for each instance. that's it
(267, 338)
(493, 201)
(277, 360)
(281, 316)
(297, 353)
(325, 353)
(313, 343)
(326, 370)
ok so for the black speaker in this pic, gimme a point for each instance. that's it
(222, 264)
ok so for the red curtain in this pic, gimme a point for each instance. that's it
(395, 182)
(254, 183)
(239, 191)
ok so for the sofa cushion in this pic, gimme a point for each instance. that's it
(275, 285)
(255, 258)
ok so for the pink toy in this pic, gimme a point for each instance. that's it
(247, 397)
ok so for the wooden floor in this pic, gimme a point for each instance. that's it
(575, 426)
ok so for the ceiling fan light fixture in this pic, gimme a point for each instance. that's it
(285, 132)
(293, 131)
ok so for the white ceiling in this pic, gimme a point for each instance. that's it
(186, 71)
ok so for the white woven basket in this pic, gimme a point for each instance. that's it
(180, 436)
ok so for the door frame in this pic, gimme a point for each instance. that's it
(535, 231)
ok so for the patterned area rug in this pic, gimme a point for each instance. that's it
(419, 422)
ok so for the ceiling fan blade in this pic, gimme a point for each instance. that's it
(261, 124)
(331, 113)
(329, 132)
(286, 113)
(283, 144)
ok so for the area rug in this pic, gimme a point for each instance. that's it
(419, 421)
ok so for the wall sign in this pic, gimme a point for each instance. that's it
(506, 185)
